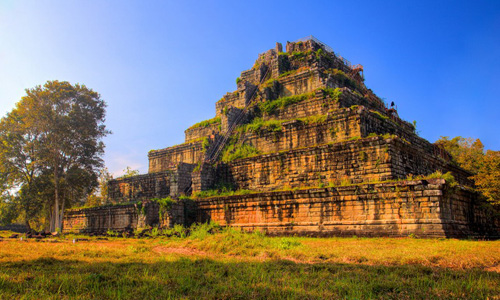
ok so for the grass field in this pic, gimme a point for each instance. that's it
(228, 264)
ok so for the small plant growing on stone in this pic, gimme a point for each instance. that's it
(205, 144)
(165, 205)
(363, 156)
(319, 53)
(334, 94)
(198, 167)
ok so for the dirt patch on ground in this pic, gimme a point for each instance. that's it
(179, 250)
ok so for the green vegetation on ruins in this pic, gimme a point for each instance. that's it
(270, 107)
(222, 190)
(210, 262)
(234, 151)
(206, 123)
(333, 93)
(343, 78)
(258, 125)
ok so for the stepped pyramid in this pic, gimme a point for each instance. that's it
(306, 148)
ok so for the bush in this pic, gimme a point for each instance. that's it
(333, 93)
(450, 179)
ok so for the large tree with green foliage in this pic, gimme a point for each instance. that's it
(55, 133)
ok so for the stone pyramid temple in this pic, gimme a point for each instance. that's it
(302, 146)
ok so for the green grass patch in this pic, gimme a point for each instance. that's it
(222, 191)
(315, 119)
(271, 107)
(379, 115)
(258, 125)
(287, 73)
(206, 123)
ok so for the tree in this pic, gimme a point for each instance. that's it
(55, 130)
(9, 209)
(19, 164)
(129, 172)
(469, 154)
(99, 195)
(488, 177)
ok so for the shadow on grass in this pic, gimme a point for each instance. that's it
(211, 279)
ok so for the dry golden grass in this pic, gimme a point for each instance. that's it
(230, 264)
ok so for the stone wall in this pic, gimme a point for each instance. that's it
(98, 220)
(168, 158)
(338, 125)
(300, 83)
(317, 105)
(198, 133)
(140, 187)
(120, 218)
(406, 158)
(174, 182)
(388, 209)
(181, 179)
(341, 126)
(203, 178)
(356, 161)
(426, 208)
(363, 160)
(15, 228)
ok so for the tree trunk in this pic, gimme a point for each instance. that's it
(56, 200)
(51, 221)
(61, 215)
(27, 223)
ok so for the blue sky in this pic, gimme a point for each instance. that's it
(162, 65)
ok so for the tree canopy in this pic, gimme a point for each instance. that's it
(51, 147)
(469, 154)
